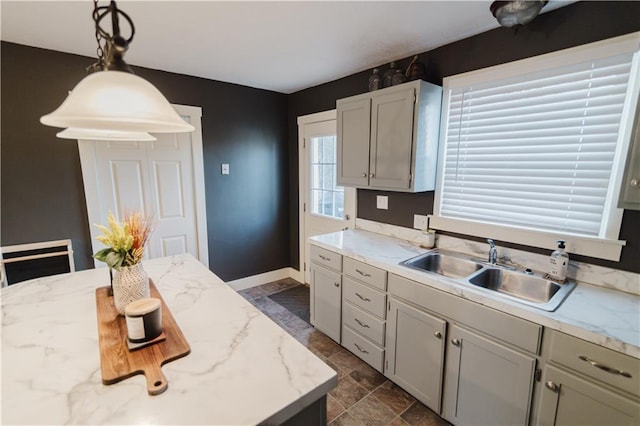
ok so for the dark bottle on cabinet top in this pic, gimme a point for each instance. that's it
(388, 75)
(398, 77)
(375, 82)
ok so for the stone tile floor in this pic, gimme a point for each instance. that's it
(363, 396)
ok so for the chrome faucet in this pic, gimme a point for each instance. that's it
(493, 252)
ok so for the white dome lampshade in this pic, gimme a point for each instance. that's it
(116, 100)
(104, 135)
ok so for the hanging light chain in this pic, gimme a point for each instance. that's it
(100, 40)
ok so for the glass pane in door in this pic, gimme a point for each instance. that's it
(327, 199)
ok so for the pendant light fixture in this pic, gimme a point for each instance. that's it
(516, 12)
(112, 97)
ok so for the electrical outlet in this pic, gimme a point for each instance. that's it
(420, 221)
(382, 202)
(225, 169)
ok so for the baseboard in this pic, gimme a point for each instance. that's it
(264, 278)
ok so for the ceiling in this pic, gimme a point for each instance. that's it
(283, 46)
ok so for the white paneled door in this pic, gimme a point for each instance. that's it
(325, 206)
(163, 179)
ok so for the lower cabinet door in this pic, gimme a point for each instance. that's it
(570, 400)
(326, 299)
(415, 342)
(485, 383)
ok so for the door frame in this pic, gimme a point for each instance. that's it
(89, 177)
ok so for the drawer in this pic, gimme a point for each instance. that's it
(595, 361)
(327, 258)
(364, 297)
(361, 347)
(511, 330)
(364, 323)
(367, 274)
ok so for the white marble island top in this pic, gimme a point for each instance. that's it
(242, 369)
(600, 315)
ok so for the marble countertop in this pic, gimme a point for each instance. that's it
(242, 369)
(599, 315)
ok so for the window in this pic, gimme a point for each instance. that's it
(538, 146)
(327, 199)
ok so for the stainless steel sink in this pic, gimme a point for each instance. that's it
(443, 264)
(532, 290)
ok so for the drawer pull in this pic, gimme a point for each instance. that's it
(552, 386)
(324, 257)
(364, 351)
(364, 299)
(364, 274)
(363, 325)
(605, 367)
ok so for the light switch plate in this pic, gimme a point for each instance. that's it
(225, 169)
(420, 221)
(382, 202)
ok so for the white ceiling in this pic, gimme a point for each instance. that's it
(283, 46)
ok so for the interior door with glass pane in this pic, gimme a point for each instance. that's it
(328, 208)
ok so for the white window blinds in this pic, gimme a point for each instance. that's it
(535, 151)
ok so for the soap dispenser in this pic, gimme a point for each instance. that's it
(558, 263)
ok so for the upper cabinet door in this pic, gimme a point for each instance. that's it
(354, 119)
(392, 139)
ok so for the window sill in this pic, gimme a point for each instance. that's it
(585, 246)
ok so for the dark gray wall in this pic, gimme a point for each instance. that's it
(42, 195)
(573, 25)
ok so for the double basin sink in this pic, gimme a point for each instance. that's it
(527, 288)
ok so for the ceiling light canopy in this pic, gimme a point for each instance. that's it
(112, 98)
(104, 135)
(516, 12)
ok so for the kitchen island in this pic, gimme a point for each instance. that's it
(242, 369)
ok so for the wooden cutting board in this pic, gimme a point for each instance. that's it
(117, 362)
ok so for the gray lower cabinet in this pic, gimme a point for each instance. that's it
(326, 298)
(486, 383)
(415, 343)
(568, 399)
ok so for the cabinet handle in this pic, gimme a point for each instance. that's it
(364, 351)
(605, 367)
(438, 334)
(364, 175)
(324, 257)
(635, 182)
(455, 342)
(372, 175)
(336, 284)
(552, 386)
(364, 274)
(363, 325)
(365, 299)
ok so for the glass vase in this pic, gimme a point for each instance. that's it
(130, 283)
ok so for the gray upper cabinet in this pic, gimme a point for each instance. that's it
(388, 139)
(630, 190)
(354, 125)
